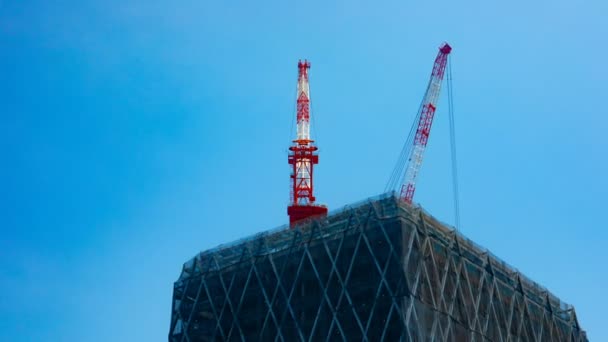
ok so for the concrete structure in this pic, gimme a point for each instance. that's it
(377, 270)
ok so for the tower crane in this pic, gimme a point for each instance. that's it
(415, 149)
(303, 156)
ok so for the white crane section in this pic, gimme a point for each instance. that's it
(415, 160)
(303, 103)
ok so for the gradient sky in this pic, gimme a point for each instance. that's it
(136, 133)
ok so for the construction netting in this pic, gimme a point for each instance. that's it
(376, 270)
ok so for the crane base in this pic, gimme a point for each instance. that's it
(300, 212)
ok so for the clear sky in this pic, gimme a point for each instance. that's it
(136, 133)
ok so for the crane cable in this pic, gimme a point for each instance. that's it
(398, 175)
(453, 147)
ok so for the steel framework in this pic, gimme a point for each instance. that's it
(378, 270)
(303, 157)
(425, 121)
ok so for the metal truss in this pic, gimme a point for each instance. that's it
(379, 271)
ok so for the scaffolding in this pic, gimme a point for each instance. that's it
(376, 270)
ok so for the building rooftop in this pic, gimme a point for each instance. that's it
(446, 243)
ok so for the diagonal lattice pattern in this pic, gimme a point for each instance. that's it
(380, 270)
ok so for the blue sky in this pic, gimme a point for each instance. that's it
(137, 133)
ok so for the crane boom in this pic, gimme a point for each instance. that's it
(426, 114)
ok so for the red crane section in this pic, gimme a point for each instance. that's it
(303, 156)
(426, 114)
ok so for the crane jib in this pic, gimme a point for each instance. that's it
(426, 113)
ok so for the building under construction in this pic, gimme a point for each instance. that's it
(380, 270)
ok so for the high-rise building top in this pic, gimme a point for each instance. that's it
(377, 270)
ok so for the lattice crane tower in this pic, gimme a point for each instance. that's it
(303, 156)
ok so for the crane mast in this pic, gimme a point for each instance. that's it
(426, 114)
(303, 156)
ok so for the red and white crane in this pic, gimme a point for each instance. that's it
(425, 121)
(303, 156)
